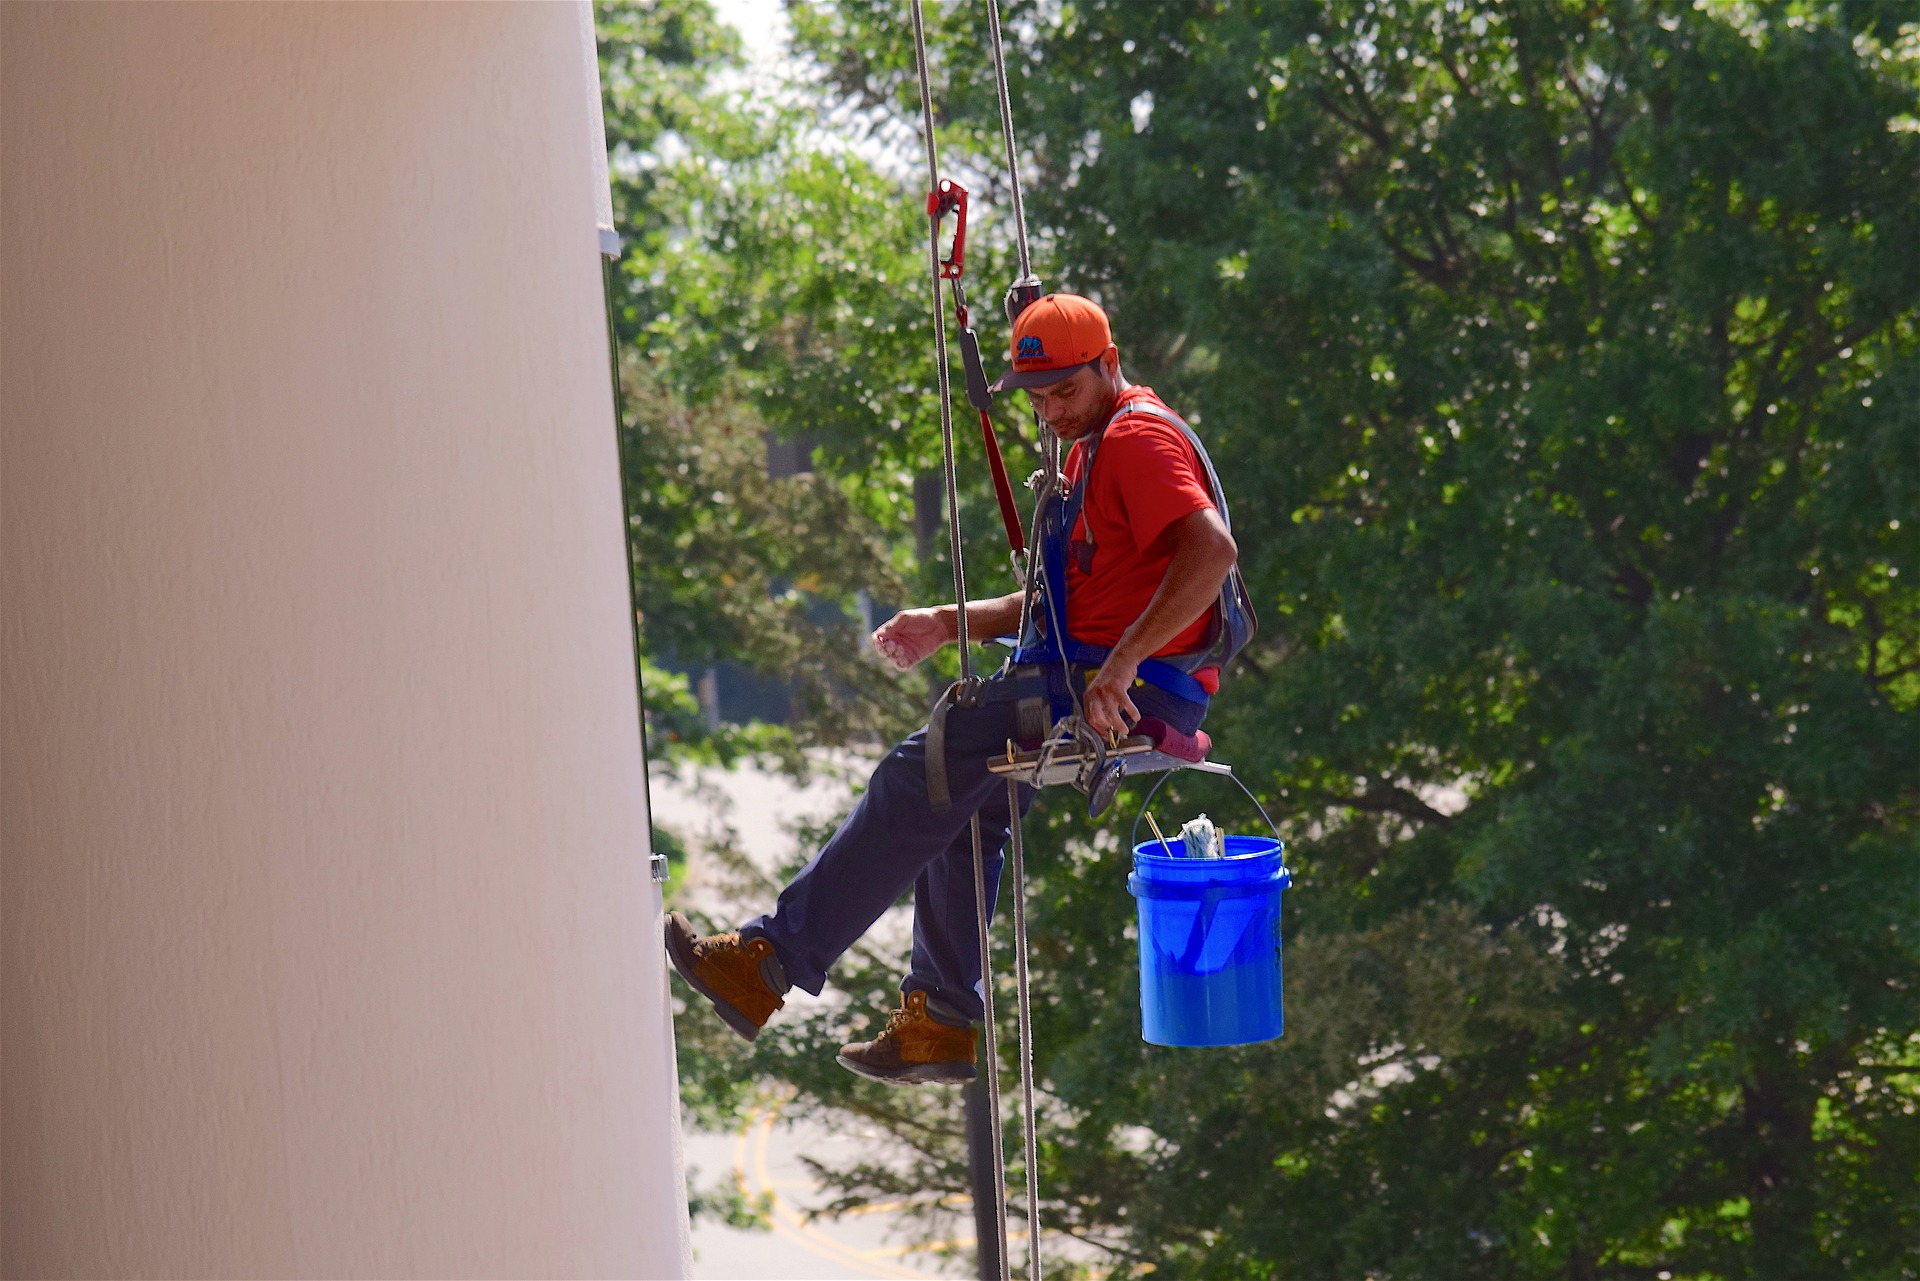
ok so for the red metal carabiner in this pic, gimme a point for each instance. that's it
(951, 197)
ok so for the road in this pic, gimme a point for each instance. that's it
(755, 810)
(764, 1162)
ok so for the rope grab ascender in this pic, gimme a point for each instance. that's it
(1069, 751)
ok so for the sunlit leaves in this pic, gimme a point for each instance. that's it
(1564, 365)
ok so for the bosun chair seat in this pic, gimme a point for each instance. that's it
(1153, 746)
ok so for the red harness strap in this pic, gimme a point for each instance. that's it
(1009, 514)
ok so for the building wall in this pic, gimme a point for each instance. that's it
(329, 947)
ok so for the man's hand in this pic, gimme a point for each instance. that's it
(1108, 703)
(915, 635)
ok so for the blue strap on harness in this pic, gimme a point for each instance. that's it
(1152, 670)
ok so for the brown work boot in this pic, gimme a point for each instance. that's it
(916, 1047)
(742, 977)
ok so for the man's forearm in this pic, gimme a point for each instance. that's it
(1188, 588)
(986, 619)
(1183, 597)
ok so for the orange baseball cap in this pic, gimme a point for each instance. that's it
(1053, 338)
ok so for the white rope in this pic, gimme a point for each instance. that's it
(940, 349)
(1049, 443)
(991, 1048)
(1026, 1030)
(1050, 454)
(1006, 132)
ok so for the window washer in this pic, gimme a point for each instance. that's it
(1148, 574)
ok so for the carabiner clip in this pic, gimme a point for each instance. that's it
(950, 197)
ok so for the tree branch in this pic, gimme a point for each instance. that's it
(1394, 799)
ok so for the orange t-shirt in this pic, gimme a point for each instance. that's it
(1145, 477)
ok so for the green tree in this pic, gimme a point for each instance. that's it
(1564, 360)
(773, 286)
(731, 562)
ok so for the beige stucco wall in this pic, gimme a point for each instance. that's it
(329, 946)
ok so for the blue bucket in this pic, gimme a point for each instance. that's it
(1210, 943)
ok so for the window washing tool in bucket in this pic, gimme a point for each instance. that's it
(1210, 966)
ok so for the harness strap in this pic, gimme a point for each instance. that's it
(1155, 671)
(1213, 477)
(1002, 489)
(939, 794)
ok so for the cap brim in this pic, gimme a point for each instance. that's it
(1034, 378)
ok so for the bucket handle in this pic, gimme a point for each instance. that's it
(1133, 842)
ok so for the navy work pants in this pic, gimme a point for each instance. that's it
(893, 839)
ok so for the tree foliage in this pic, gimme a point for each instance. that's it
(773, 285)
(1563, 360)
(715, 303)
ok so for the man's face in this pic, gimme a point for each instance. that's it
(1075, 406)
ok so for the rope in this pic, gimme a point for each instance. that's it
(1050, 453)
(1049, 443)
(992, 1054)
(1026, 1029)
(940, 349)
(1006, 132)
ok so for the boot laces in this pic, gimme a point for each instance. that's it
(896, 1020)
(706, 947)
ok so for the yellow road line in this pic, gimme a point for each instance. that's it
(788, 1224)
(933, 1247)
(954, 1202)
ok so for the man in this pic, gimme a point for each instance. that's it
(1150, 552)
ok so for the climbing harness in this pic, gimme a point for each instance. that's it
(1045, 674)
